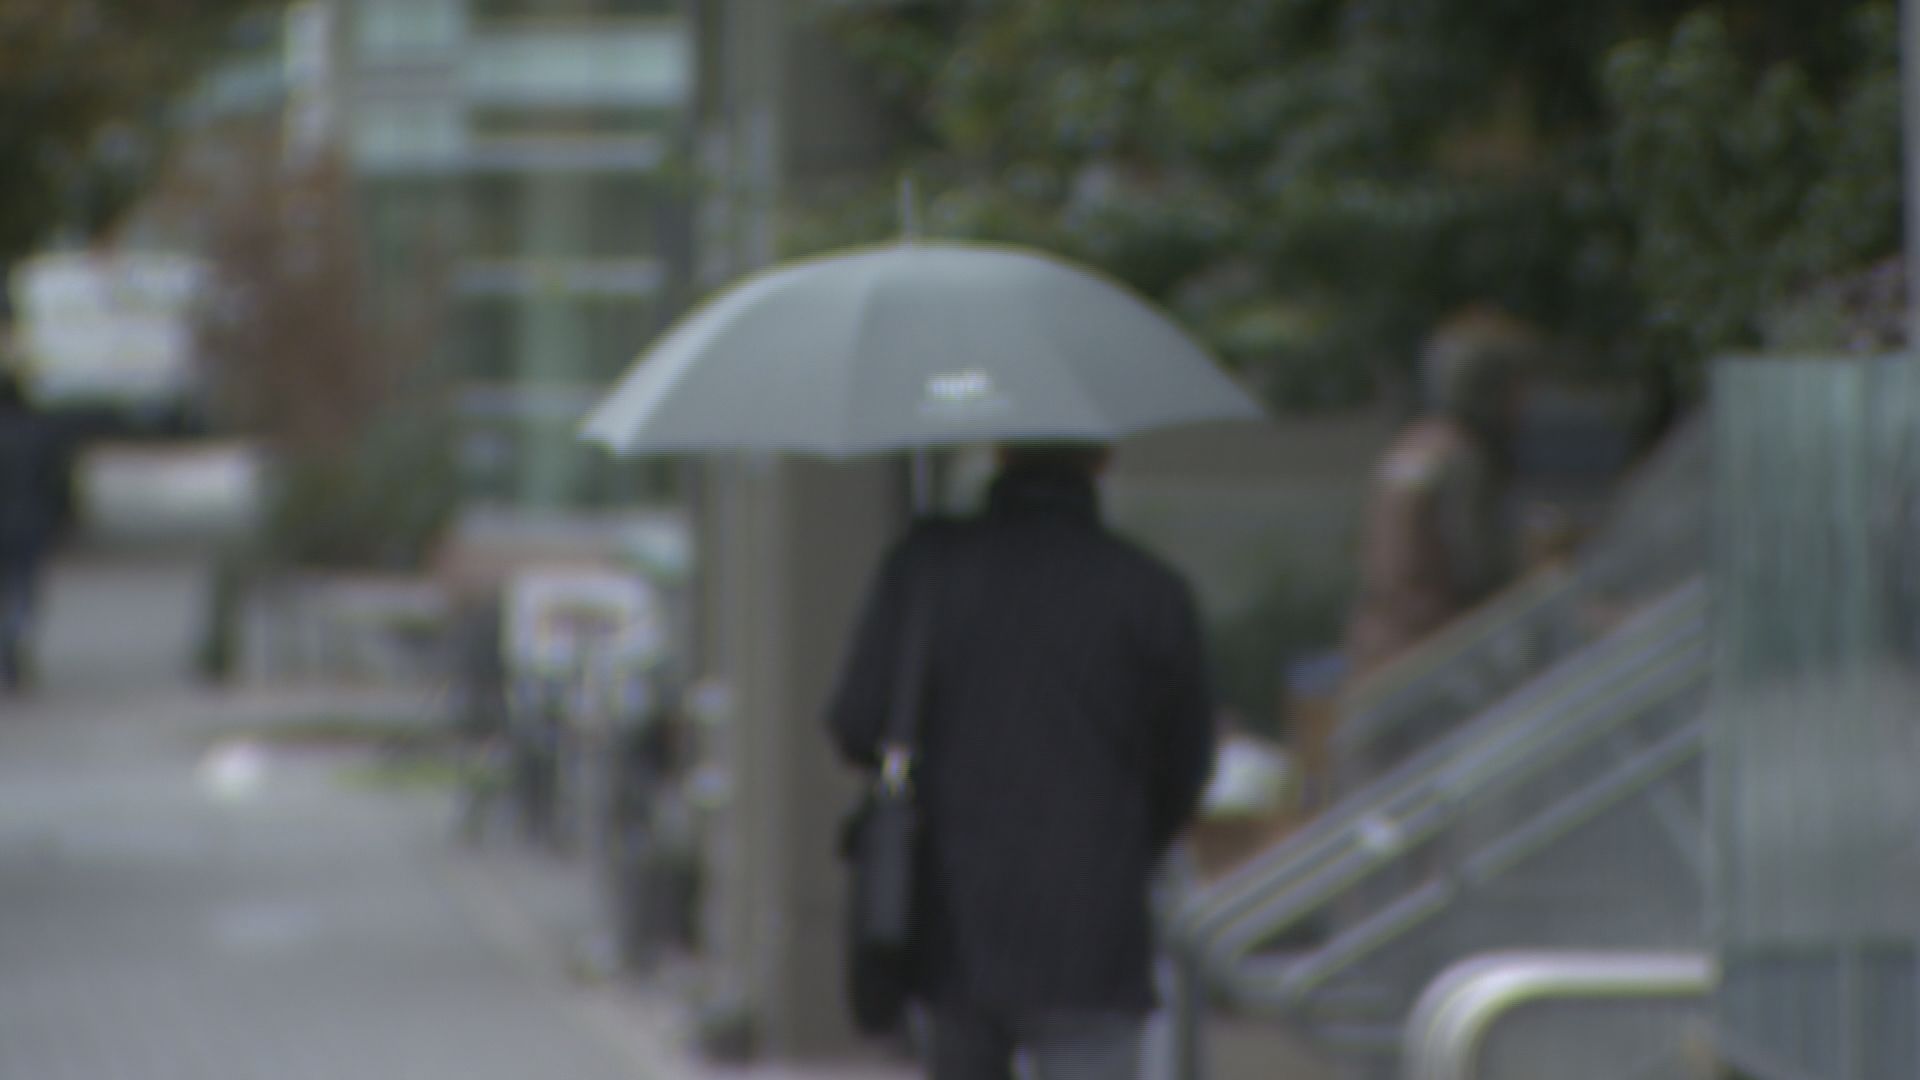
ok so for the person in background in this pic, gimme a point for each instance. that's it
(29, 513)
(1066, 734)
(1439, 537)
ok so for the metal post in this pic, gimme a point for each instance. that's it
(1188, 999)
(1910, 136)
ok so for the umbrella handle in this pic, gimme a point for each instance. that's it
(921, 464)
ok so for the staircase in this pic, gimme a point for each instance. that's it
(1530, 780)
(1654, 540)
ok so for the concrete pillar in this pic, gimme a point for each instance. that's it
(788, 548)
(795, 545)
(837, 522)
(731, 511)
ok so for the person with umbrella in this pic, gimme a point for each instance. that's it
(1027, 687)
(1066, 733)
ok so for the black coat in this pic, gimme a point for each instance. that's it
(30, 482)
(1067, 734)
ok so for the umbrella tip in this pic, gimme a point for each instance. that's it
(909, 209)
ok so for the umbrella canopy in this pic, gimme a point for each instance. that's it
(910, 346)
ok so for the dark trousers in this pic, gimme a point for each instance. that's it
(19, 581)
(970, 1044)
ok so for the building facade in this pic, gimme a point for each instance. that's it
(527, 147)
(520, 152)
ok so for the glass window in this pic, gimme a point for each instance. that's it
(486, 462)
(493, 216)
(624, 213)
(396, 29)
(617, 332)
(489, 334)
(609, 333)
(407, 133)
(518, 121)
(615, 217)
(408, 219)
(583, 65)
(525, 9)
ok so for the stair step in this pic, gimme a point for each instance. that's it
(1367, 1039)
(1352, 1001)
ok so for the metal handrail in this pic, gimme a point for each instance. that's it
(1649, 657)
(1450, 1024)
(1287, 986)
(1575, 681)
(1439, 652)
(1535, 609)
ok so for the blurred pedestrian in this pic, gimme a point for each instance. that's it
(29, 513)
(1065, 733)
(1440, 537)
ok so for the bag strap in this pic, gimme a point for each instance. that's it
(900, 743)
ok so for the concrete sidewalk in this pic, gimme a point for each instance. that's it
(179, 901)
(170, 912)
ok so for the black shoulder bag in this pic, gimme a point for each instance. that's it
(881, 844)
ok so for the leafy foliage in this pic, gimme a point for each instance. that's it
(85, 87)
(1311, 184)
(381, 503)
(1746, 187)
(336, 378)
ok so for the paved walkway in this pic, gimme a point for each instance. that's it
(172, 906)
(180, 901)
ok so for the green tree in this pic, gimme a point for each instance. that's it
(1748, 184)
(1311, 184)
(85, 91)
(335, 375)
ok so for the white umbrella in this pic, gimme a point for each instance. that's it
(910, 346)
